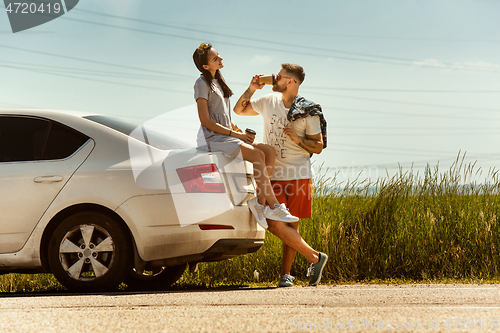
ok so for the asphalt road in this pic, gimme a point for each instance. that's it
(352, 308)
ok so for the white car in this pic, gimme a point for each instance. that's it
(97, 201)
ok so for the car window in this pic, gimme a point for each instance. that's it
(24, 139)
(153, 138)
(62, 142)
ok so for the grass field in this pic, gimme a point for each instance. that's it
(438, 226)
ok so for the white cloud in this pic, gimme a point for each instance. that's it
(482, 66)
(259, 60)
(429, 63)
(478, 65)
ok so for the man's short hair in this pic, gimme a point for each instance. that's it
(296, 71)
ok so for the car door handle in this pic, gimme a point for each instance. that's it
(48, 179)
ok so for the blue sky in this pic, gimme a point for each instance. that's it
(400, 82)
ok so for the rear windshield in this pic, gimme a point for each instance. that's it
(149, 136)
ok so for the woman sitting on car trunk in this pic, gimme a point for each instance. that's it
(220, 133)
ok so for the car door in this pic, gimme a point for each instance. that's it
(37, 158)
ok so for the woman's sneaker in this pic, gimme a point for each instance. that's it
(279, 213)
(258, 211)
(286, 280)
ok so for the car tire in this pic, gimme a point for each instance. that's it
(159, 279)
(89, 252)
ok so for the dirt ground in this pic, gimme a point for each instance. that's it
(350, 308)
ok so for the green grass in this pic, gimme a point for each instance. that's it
(430, 228)
(29, 283)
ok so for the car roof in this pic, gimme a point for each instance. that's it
(73, 119)
(45, 113)
(89, 124)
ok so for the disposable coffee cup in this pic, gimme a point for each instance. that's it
(267, 79)
(251, 132)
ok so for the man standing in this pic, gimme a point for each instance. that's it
(296, 129)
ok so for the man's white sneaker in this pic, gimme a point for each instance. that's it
(258, 211)
(279, 213)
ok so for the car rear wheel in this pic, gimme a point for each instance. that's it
(158, 278)
(89, 251)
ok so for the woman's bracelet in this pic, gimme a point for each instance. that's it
(230, 132)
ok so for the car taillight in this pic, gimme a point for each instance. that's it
(201, 179)
(214, 227)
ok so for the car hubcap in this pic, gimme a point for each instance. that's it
(86, 252)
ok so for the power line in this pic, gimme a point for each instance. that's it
(302, 32)
(442, 157)
(252, 39)
(407, 103)
(397, 165)
(229, 43)
(64, 73)
(393, 148)
(307, 90)
(78, 71)
(388, 60)
(142, 69)
(237, 37)
(400, 114)
(95, 62)
(17, 106)
(335, 127)
(375, 152)
(166, 76)
(408, 90)
(393, 151)
(405, 134)
(441, 91)
(396, 38)
(98, 80)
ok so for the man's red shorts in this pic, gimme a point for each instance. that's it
(296, 195)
